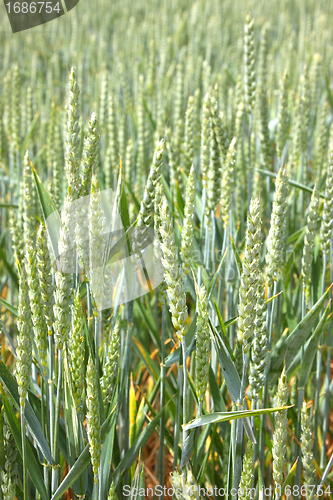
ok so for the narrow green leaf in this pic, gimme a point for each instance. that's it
(193, 389)
(190, 344)
(231, 321)
(166, 189)
(288, 479)
(73, 432)
(295, 251)
(290, 312)
(150, 364)
(142, 484)
(2, 447)
(81, 464)
(329, 339)
(9, 267)
(33, 466)
(117, 251)
(29, 134)
(45, 199)
(48, 208)
(328, 89)
(80, 486)
(274, 297)
(261, 483)
(296, 235)
(11, 387)
(9, 383)
(215, 417)
(228, 368)
(291, 181)
(297, 338)
(74, 473)
(223, 330)
(107, 450)
(215, 392)
(132, 453)
(134, 199)
(8, 306)
(311, 351)
(187, 448)
(237, 257)
(143, 409)
(216, 275)
(124, 213)
(148, 317)
(151, 119)
(204, 463)
(180, 202)
(169, 440)
(202, 441)
(19, 493)
(37, 407)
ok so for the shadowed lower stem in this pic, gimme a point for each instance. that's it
(24, 456)
(55, 471)
(184, 396)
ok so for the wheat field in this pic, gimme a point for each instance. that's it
(166, 208)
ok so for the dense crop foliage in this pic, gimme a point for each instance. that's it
(210, 122)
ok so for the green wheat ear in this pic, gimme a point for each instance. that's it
(77, 351)
(93, 419)
(282, 131)
(31, 265)
(63, 295)
(45, 276)
(327, 217)
(173, 272)
(112, 493)
(72, 137)
(110, 367)
(310, 235)
(259, 349)
(147, 204)
(96, 219)
(188, 223)
(90, 150)
(185, 489)
(249, 276)
(228, 182)
(9, 472)
(309, 468)
(188, 147)
(111, 158)
(202, 353)
(89, 154)
(214, 173)
(247, 477)
(280, 435)
(250, 83)
(276, 241)
(204, 153)
(24, 348)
